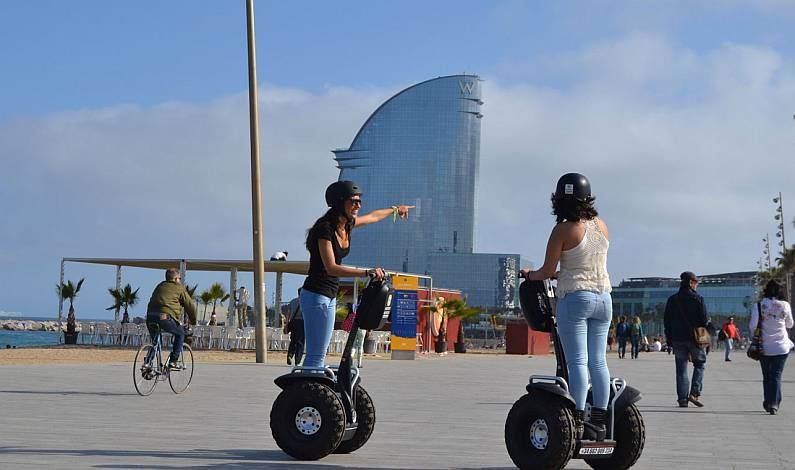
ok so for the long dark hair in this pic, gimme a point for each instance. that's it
(331, 217)
(772, 290)
(573, 210)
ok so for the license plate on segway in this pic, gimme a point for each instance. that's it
(596, 449)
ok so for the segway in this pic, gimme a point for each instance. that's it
(324, 409)
(540, 429)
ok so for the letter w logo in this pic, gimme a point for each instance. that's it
(466, 87)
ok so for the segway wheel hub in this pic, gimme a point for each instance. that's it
(308, 420)
(539, 434)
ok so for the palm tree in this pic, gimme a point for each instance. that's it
(192, 294)
(457, 308)
(218, 293)
(69, 292)
(116, 307)
(787, 260)
(129, 298)
(206, 297)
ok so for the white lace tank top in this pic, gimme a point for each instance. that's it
(584, 267)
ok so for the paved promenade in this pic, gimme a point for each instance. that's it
(432, 413)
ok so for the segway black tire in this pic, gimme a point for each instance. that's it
(630, 437)
(365, 418)
(560, 423)
(284, 427)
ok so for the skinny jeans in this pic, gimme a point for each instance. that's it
(583, 321)
(318, 311)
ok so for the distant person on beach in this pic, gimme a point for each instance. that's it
(328, 242)
(775, 319)
(165, 309)
(685, 311)
(730, 334)
(622, 335)
(242, 307)
(294, 324)
(635, 336)
(579, 242)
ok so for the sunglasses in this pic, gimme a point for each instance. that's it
(356, 202)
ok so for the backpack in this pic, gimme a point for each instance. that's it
(722, 335)
(534, 297)
(634, 330)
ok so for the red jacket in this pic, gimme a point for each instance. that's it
(731, 331)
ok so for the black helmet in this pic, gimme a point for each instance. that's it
(339, 191)
(573, 186)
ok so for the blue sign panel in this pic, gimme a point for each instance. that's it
(404, 314)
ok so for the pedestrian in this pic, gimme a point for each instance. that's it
(328, 242)
(729, 334)
(579, 241)
(622, 336)
(684, 311)
(635, 336)
(242, 307)
(775, 318)
(294, 324)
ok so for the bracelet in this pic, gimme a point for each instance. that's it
(394, 214)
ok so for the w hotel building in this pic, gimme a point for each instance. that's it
(422, 147)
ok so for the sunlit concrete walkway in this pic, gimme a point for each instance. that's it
(432, 413)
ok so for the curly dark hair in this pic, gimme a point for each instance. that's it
(572, 210)
(773, 290)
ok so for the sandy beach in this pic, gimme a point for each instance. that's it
(97, 354)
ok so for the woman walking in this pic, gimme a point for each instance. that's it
(328, 242)
(635, 336)
(776, 317)
(579, 242)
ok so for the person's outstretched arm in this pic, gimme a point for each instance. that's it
(381, 214)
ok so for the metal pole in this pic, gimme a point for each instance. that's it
(231, 313)
(60, 304)
(781, 211)
(118, 287)
(278, 300)
(260, 332)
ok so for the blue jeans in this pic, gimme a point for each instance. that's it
(684, 351)
(635, 346)
(169, 325)
(622, 346)
(728, 343)
(772, 369)
(318, 311)
(583, 321)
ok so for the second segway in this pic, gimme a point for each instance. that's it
(540, 430)
(323, 409)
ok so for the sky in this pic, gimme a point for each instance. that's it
(124, 127)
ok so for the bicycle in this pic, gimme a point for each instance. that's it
(149, 368)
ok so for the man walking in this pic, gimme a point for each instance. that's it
(242, 307)
(685, 311)
(622, 335)
(730, 334)
(294, 323)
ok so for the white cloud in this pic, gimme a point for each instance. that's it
(684, 150)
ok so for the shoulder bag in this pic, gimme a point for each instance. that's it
(701, 335)
(755, 348)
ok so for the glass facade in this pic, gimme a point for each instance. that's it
(485, 279)
(726, 294)
(422, 147)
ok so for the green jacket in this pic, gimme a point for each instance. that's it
(170, 297)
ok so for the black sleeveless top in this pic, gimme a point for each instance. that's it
(318, 280)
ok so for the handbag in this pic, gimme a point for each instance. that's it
(701, 335)
(347, 324)
(755, 348)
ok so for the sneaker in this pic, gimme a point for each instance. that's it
(174, 365)
(772, 410)
(290, 361)
(694, 399)
(682, 403)
(728, 360)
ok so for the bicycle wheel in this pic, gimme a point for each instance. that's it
(145, 370)
(180, 379)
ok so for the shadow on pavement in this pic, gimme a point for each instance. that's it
(55, 392)
(231, 458)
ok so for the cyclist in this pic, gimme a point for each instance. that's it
(328, 241)
(165, 309)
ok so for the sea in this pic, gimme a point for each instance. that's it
(27, 339)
